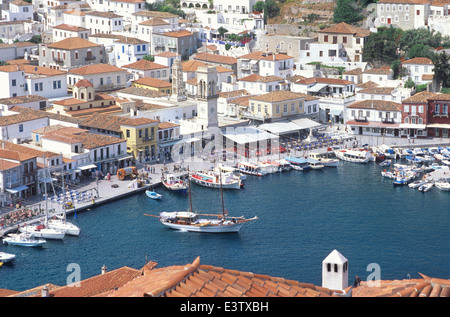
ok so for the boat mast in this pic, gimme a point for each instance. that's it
(45, 191)
(221, 194)
(190, 197)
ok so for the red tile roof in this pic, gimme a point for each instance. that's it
(198, 280)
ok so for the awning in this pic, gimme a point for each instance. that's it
(86, 167)
(335, 112)
(125, 157)
(248, 135)
(317, 87)
(48, 180)
(280, 127)
(412, 126)
(439, 125)
(306, 123)
(190, 140)
(17, 189)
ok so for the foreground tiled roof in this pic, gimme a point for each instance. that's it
(278, 95)
(424, 287)
(380, 105)
(72, 43)
(198, 280)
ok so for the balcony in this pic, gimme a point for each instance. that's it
(148, 139)
(387, 120)
(90, 58)
(58, 60)
(361, 119)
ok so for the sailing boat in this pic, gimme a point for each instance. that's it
(43, 230)
(60, 223)
(210, 223)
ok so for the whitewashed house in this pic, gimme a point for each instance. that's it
(128, 50)
(265, 64)
(256, 84)
(419, 69)
(18, 10)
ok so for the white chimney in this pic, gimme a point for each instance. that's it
(45, 291)
(335, 271)
(104, 269)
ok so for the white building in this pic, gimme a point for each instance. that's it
(104, 77)
(265, 64)
(126, 8)
(419, 69)
(32, 80)
(128, 50)
(63, 31)
(18, 10)
(256, 84)
(145, 68)
(103, 22)
(28, 101)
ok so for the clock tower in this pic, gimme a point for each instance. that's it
(207, 96)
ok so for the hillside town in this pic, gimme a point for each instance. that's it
(93, 86)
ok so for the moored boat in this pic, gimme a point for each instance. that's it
(251, 169)
(326, 161)
(442, 185)
(416, 184)
(24, 240)
(153, 195)
(298, 163)
(6, 257)
(355, 156)
(211, 179)
(425, 187)
(208, 223)
(314, 164)
(173, 183)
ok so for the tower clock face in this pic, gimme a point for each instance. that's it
(212, 109)
(202, 109)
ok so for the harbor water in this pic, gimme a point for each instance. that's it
(303, 216)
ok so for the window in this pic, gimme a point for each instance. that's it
(20, 127)
(128, 133)
(13, 83)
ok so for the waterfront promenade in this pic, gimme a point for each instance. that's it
(105, 190)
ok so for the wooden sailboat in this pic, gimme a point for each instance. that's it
(210, 223)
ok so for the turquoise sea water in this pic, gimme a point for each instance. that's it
(303, 216)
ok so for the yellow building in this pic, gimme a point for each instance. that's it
(275, 105)
(153, 84)
(141, 135)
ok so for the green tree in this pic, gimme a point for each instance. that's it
(222, 31)
(382, 47)
(347, 11)
(441, 77)
(270, 8)
(409, 83)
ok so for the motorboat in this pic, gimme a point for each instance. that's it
(153, 195)
(325, 161)
(298, 163)
(442, 185)
(211, 179)
(284, 165)
(24, 239)
(416, 184)
(174, 183)
(251, 169)
(385, 163)
(6, 257)
(425, 187)
(355, 156)
(314, 164)
(229, 169)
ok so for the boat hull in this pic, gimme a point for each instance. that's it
(206, 228)
(45, 233)
(231, 185)
(66, 227)
(153, 195)
(6, 257)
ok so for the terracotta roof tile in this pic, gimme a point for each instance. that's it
(153, 82)
(419, 60)
(144, 64)
(181, 33)
(72, 43)
(258, 55)
(96, 69)
(344, 28)
(215, 58)
(381, 105)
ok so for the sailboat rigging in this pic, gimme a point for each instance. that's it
(194, 222)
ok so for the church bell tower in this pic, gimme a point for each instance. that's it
(207, 95)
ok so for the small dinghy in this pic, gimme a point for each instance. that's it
(153, 195)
